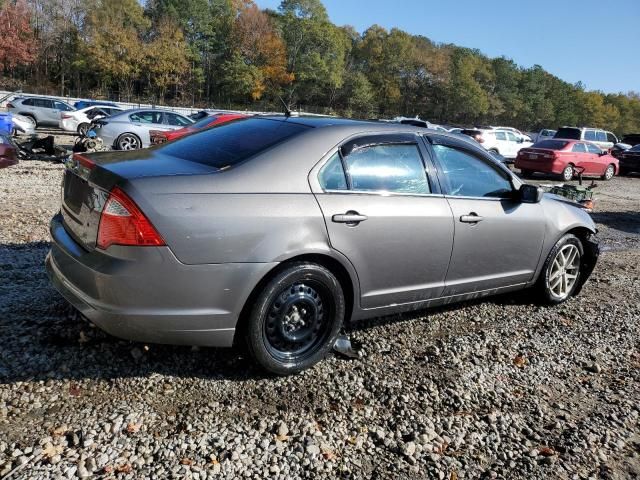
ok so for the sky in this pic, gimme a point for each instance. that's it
(592, 41)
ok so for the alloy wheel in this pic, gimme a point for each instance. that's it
(128, 142)
(567, 173)
(609, 172)
(565, 270)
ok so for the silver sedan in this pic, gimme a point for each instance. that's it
(276, 231)
(130, 129)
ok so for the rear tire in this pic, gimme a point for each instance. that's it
(83, 128)
(567, 173)
(128, 141)
(296, 319)
(560, 274)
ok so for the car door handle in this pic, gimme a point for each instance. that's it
(350, 218)
(471, 218)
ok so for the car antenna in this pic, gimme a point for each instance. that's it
(287, 112)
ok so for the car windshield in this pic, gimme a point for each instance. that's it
(571, 133)
(551, 144)
(231, 143)
(204, 122)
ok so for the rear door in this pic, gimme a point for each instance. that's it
(497, 239)
(579, 156)
(385, 213)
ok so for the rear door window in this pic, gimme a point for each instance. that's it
(590, 135)
(234, 142)
(387, 168)
(146, 117)
(501, 136)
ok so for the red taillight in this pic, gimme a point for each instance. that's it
(65, 116)
(10, 105)
(84, 161)
(122, 223)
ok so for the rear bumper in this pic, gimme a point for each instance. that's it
(543, 166)
(145, 294)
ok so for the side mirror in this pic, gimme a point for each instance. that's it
(530, 193)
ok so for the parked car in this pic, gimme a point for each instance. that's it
(630, 160)
(8, 154)
(503, 142)
(158, 137)
(43, 111)
(129, 130)
(79, 105)
(198, 242)
(632, 139)
(545, 134)
(619, 148)
(603, 139)
(525, 137)
(79, 120)
(23, 125)
(566, 158)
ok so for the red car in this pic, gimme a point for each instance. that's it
(158, 137)
(8, 155)
(566, 158)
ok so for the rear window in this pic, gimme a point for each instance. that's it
(550, 144)
(231, 143)
(570, 133)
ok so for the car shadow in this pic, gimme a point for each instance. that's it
(628, 222)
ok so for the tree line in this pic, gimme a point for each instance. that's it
(230, 53)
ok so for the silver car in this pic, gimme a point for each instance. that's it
(130, 129)
(23, 125)
(276, 231)
(43, 111)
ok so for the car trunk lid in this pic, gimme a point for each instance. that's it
(88, 179)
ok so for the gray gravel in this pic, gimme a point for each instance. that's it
(496, 389)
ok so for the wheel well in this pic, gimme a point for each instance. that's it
(329, 263)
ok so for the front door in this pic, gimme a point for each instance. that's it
(384, 213)
(497, 239)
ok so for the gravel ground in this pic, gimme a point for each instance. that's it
(496, 389)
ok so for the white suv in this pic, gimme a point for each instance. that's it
(504, 142)
(603, 139)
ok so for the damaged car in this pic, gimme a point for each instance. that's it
(276, 231)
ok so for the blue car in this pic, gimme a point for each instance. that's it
(90, 103)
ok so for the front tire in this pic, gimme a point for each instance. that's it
(609, 172)
(295, 319)
(561, 272)
(567, 173)
(128, 141)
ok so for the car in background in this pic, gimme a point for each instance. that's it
(130, 130)
(159, 137)
(197, 242)
(80, 104)
(632, 139)
(545, 134)
(43, 111)
(416, 122)
(603, 139)
(567, 158)
(79, 121)
(525, 137)
(8, 154)
(630, 160)
(504, 142)
(23, 125)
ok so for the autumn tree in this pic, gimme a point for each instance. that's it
(167, 57)
(17, 45)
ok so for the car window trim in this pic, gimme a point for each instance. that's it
(381, 140)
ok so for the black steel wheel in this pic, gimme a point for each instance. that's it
(296, 318)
